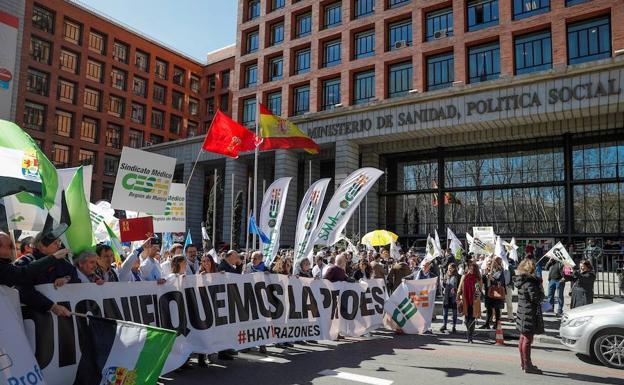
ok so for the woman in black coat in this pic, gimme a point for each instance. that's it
(495, 277)
(529, 320)
(583, 286)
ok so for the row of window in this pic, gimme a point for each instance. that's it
(43, 19)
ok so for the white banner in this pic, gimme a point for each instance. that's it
(143, 181)
(174, 218)
(559, 253)
(309, 213)
(8, 52)
(210, 312)
(66, 174)
(271, 214)
(483, 239)
(342, 205)
(411, 305)
(17, 361)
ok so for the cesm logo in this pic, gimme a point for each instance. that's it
(145, 184)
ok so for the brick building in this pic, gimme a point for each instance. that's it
(90, 85)
(507, 112)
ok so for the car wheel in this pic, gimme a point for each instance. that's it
(609, 348)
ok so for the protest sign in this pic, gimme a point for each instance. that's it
(174, 218)
(136, 229)
(143, 181)
(411, 305)
(309, 213)
(483, 239)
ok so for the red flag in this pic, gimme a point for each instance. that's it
(226, 137)
(136, 229)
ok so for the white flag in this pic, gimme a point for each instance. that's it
(455, 244)
(559, 253)
(499, 251)
(512, 249)
(342, 205)
(309, 213)
(395, 252)
(437, 245)
(25, 211)
(411, 305)
(271, 214)
(470, 241)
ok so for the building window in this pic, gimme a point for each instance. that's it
(331, 53)
(275, 68)
(120, 52)
(364, 8)
(332, 15)
(277, 33)
(251, 75)
(43, 19)
(91, 99)
(34, 116)
(86, 158)
(400, 79)
(64, 123)
(210, 106)
(570, 3)
(225, 80)
(439, 24)
(69, 61)
(363, 87)
(400, 34)
(138, 113)
(160, 69)
(533, 52)
(37, 82)
(66, 91)
(440, 71)
(252, 42)
(224, 102)
(589, 40)
(89, 130)
(397, 3)
(160, 93)
(364, 44)
(253, 9)
(194, 83)
(482, 14)
(193, 106)
(191, 129)
(303, 25)
(116, 106)
(135, 139)
(175, 124)
(118, 79)
(277, 4)
(94, 70)
(178, 76)
(177, 100)
(302, 61)
(301, 99)
(526, 8)
(158, 119)
(139, 86)
(156, 139)
(97, 42)
(212, 83)
(141, 61)
(249, 112)
(40, 50)
(61, 155)
(71, 31)
(331, 93)
(484, 63)
(111, 165)
(113, 136)
(274, 103)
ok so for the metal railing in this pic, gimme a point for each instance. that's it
(609, 268)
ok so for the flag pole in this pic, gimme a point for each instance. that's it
(248, 212)
(214, 211)
(310, 172)
(232, 216)
(193, 169)
(255, 175)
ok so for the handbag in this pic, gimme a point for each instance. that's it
(460, 306)
(496, 292)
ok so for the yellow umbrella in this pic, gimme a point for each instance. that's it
(379, 238)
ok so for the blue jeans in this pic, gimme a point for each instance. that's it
(555, 286)
(446, 314)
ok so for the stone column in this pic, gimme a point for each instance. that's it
(347, 160)
(237, 169)
(370, 205)
(287, 165)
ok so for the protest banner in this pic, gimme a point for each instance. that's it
(309, 213)
(173, 220)
(411, 305)
(210, 313)
(271, 214)
(143, 181)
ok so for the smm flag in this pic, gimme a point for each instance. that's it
(280, 133)
(79, 235)
(271, 214)
(559, 253)
(25, 211)
(253, 229)
(115, 244)
(25, 166)
(309, 214)
(226, 137)
(455, 245)
(119, 352)
(411, 305)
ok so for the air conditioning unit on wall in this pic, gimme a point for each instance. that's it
(400, 44)
(441, 34)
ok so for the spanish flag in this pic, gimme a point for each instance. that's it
(280, 133)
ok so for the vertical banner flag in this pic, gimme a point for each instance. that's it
(8, 52)
(271, 214)
(17, 361)
(309, 213)
(342, 205)
(143, 181)
(454, 244)
(512, 249)
(411, 305)
(483, 239)
(173, 220)
(559, 253)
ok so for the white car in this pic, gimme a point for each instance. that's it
(596, 330)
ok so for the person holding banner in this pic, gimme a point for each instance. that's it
(583, 284)
(192, 263)
(469, 298)
(305, 270)
(105, 258)
(86, 264)
(207, 265)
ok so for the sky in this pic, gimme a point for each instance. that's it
(194, 27)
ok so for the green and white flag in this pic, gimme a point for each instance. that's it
(115, 244)
(411, 305)
(25, 211)
(454, 244)
(123, 353)
(559, 253)
(79, 235)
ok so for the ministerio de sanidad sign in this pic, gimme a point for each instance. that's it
(143, 181)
